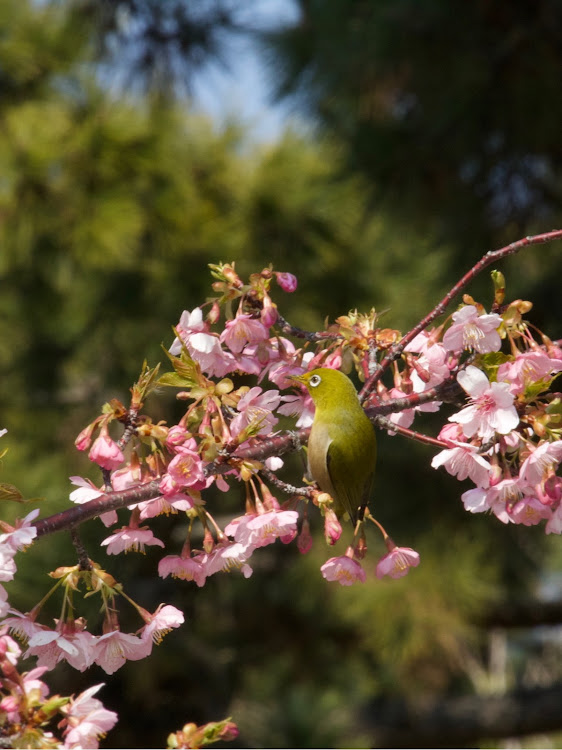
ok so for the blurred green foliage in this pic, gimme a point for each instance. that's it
(111, 207)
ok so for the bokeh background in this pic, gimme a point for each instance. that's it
(376, 150)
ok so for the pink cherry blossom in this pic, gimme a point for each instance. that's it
(499, 498)
(491, 409)
(189, 323)
(23, 533)
(225, 558)
(242, 330)
(162, 622)
(165, 505)
(473, 331)
(344, 570)
(287, 281)
(105, 452)
(86, 490)
(113, 649)
(130, 538)
(554, 525)
(7, 563)
(87, 720)
(529, 511)
(256, 408)
(541, 463)
(526, 369)
(186, 568)
(464, 461)
(397, 562)
(184, 470)
(4, 604)
(52, 646)
(259, 530)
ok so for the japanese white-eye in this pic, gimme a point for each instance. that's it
(342, 447)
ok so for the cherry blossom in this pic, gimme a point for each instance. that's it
(22, 534)
(491, 409)
(87, 720)
(542, 462)
(130, 537)
(161, 622)
(473, 331)
(186, 568)
(397, 562)
(105, 452)
(262, 529)
(242, 330)
(256, 408)
(526, 369)
(464, 461)
(113, 649)
(344, 570)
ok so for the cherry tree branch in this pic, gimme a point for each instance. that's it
(491, 257)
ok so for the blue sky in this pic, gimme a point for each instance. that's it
(242, 91)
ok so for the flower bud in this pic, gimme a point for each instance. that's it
(287, 281)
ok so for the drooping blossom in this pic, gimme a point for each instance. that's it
(161, 622)
(464, 461)
(259, 530)
(225, 558)
(473, 331)
(52, 646)
(344, 570)
(491, 409)
(130, 538)
(397, 562)
(185, 568)
(113, 649)
(105, 452)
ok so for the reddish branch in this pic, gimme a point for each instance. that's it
(276, 445)
(491, 257)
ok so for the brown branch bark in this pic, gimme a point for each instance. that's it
(458, 722)
(491, 257)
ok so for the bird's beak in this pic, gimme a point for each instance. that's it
(297, 379)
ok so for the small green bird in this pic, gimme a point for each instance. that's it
(342, 447)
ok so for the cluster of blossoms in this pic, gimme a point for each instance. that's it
(28, 710)
(507, 438)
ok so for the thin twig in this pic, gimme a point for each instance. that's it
(490, 257)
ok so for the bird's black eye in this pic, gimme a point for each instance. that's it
(315, 380)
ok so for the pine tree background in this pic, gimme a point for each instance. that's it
(433, 136)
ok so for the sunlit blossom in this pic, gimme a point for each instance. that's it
(473, 331)
(464, 461)
(491, 409)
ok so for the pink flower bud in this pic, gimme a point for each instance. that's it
(84, 439)
(286, 281)
(332, 527)
(304, 542)
(269, 312)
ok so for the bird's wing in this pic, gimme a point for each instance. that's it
(346, 492)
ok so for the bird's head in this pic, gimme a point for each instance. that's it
(330, 389)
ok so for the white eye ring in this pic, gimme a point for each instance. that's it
(315, 380)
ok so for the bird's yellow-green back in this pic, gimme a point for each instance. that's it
(342, 447)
